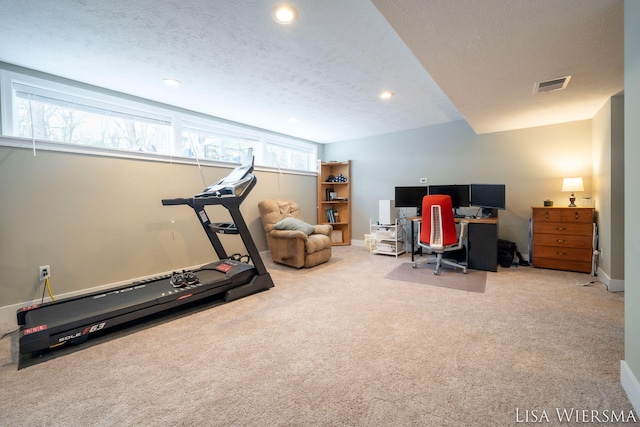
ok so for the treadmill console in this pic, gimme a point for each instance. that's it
(224, 266)
(233, 184)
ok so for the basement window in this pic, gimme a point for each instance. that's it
(288, 156)
(50, 116)
(205, 142)
(68, 117)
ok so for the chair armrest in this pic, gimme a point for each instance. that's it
(325, 229)
(463, 229)
(288, 234)
(463, 233)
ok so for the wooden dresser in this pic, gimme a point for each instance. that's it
(562, 238)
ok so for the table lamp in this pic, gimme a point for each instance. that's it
(572, 185)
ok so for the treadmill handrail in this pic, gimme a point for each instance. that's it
(225, 200)
(173, 202)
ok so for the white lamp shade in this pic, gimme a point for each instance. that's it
(572, 184)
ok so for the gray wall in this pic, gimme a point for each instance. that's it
(608, 188)
(98, 220)
(632, 194)
(531, 162)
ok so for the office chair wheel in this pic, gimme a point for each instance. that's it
(437, 273)
(414, 265)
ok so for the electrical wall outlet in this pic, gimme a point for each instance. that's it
(423, 180)
(44, 272)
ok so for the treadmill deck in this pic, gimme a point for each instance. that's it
(72, 319)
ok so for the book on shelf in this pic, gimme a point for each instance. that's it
(328, 215)
(332, 215)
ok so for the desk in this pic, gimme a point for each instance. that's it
(482, 242)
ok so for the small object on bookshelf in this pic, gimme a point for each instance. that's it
(336, 236)
(339, 178)
(333, 195)
(329, 191)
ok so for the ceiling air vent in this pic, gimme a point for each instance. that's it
(550, 85)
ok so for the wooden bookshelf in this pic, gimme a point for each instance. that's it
(334, 199)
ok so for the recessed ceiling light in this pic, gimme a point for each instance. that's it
(172, 82)
(285, 14)
(386, 95)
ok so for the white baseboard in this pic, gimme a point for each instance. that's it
(8, 312)
(613, 285)
(630, 385)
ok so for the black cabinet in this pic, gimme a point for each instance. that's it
(482, 243)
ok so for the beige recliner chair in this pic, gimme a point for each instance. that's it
(292, 241)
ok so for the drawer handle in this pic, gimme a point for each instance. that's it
(546, 214)
(576, 215)
(561, 228)
(560, 241)
(561, 253)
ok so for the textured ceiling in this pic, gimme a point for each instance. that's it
(487, 55)
(328, 68)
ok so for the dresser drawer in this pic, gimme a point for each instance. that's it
(563, 241)
(563, 228)
(584, 216)
(581, 215)
(542, 215)
(563, 264)
(560, 253)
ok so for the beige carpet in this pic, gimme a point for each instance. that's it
(473, 281)
(340, 345)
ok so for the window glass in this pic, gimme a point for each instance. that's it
(291, 157)
(44, 110)
(213, 145)
(56, 120)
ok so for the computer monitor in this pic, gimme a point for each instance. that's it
(410, 197)
(488, 196)
(459, 194)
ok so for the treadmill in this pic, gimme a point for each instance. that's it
(74, 319)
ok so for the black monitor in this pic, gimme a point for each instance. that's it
(459, 194)
(410, 197)
(488, 196)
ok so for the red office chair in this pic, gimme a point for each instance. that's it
(438, 232)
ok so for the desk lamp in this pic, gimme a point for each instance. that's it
(572, 185)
